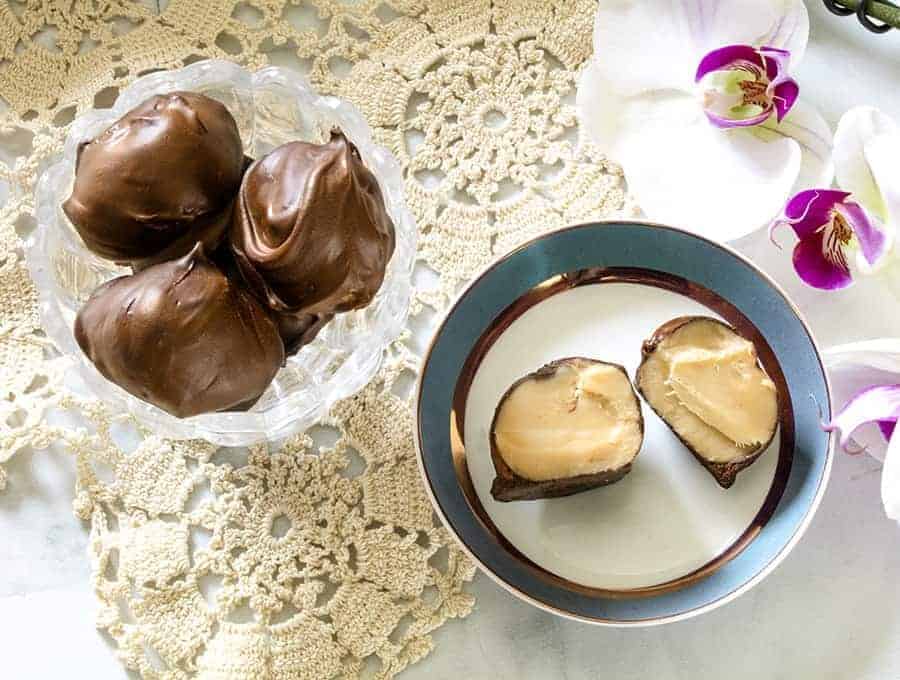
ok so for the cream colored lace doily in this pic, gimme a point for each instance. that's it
(321, 558)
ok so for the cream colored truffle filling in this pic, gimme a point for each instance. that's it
(583, 419)
(705, 382)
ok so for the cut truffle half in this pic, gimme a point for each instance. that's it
(571, 426)
(706, 383)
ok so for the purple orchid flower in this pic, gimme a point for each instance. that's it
(825, 222)
(745, 85)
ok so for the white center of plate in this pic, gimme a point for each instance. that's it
(668, 516)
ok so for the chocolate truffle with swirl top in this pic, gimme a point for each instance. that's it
(158, 180)
(311, 233)
(182, 336)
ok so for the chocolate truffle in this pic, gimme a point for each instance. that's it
(311, 234)
(160, 179)
(705, 381)
(182, 336)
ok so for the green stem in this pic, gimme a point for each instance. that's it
(877, 10)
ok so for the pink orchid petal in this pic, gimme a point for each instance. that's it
(872, 405)
(777, 61)
(872, 241)
(814, 269)
(784, 89)
(727, 56)
(785, 97)
(808, 210)
(887, 428)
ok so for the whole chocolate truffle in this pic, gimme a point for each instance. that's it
(182, 336)
(158, 180)
(311, 234)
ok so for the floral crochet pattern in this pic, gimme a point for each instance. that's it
(318, 557)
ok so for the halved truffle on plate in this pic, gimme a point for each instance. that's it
(706, 383)
(573, 425)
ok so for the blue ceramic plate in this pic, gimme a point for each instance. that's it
(666, 542)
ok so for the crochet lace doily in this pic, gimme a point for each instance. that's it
(321, 557)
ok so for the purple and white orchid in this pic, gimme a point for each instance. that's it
(867, 376)
(696, 102)
(831, 225)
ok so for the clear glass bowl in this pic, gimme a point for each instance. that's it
(271, 106)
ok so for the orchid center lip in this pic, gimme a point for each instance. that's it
(742, 85)
(755, 92)
(838, 233)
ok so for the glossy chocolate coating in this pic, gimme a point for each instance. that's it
(296, 329)
(182, 336)
(158, 180)
(299, 329)
(311, 234)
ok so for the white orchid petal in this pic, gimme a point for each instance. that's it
(883, 156)
(890, 479)
(791, 33)
(642, 46)
(722, 184)
(855, 131)
(600, 110)
(806, 125)
(881, 354)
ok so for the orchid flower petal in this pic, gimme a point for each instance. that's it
(642, 46)
(786, 93)
(883, 156)
(723, 122)
(882, 354)
(816, 270)
(791, 32)
(785, 89)
(887, 428)
(724, 57)
(890, 480)
(854, 135)
(855, 366)
(872, 241)
(808, 210)
(872, 405)
(601, 111)
(805, 125)
(722, 184)
(777, 61)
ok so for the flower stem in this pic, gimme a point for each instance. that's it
(877, 10)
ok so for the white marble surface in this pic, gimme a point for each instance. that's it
(831, 610)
